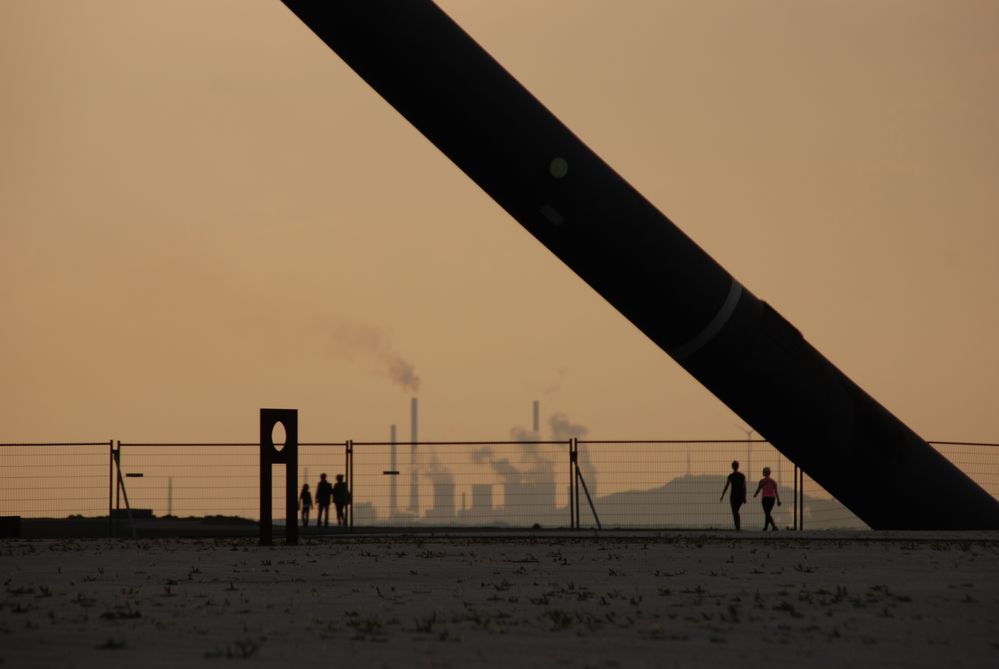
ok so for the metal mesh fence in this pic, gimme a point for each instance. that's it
(631, 484)
(978, 460)
(54, 479)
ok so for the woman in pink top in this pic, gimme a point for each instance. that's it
(770, 495)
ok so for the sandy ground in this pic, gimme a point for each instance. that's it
(546, 600)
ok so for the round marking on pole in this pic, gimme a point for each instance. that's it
(558, 167)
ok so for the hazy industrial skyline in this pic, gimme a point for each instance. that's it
(204, 212)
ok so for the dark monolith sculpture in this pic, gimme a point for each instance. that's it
(272, 454)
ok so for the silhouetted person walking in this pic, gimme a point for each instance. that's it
(737, 481)
(324, 493)
(769, 489)
(305, 504)
(341, 498)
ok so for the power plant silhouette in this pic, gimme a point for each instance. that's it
(525, 489)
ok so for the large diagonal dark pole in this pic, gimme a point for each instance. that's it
(756, 362)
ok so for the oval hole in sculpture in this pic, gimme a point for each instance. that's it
(278, 436)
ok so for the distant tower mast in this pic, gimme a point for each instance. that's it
(393, 499)
(414, 486)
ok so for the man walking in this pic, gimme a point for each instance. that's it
(737, 481)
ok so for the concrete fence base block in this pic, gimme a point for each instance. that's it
(10, 526)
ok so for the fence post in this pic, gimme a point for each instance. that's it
(794, 499)
(110, 487)
(575, 477)
(801, 510)
(117, 488)
(572, 486)
(122, 489)
(586, 491)
(349, 470)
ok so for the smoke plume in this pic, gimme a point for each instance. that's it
(534, 465)
(502, 466)
(358, 341)
(537, 465)
(556, 385)
(563, 429)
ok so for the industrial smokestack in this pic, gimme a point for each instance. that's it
(414, 490)
(393, 500)
(537, 419)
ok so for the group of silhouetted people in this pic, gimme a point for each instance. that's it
(337, 493)
(767, 486)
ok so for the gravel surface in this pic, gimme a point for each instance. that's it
(544, 600)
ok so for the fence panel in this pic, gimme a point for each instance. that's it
(475, 484)
(186, 480)
(55, 480)
(978, 460)
(677, 484)
(822, 511)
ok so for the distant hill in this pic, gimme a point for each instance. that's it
(692, 501)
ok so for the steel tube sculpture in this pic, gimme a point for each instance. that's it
(740, 348)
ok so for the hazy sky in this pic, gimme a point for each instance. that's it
(203, 211)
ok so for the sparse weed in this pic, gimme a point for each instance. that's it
(789, 608)
(559, 619)
(121, 613)
(238, 650)
(426, 625)
(112, 644)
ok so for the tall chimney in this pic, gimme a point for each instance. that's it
(393, 501)
(537, 419)
(414, 490)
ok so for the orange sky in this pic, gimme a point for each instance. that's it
(203, 211)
